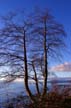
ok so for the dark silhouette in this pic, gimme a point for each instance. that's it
(38, 36)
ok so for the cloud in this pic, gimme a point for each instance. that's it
(62, 67)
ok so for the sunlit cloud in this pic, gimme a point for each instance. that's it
(62, 67)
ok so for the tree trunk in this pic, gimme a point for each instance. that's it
(26, 71)
(45, 63)
(36, 80)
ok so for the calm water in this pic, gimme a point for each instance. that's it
(8, 91)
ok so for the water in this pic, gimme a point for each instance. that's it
(8, 91)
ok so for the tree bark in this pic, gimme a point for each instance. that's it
(36, 80)
(45, 63)
(26, 71)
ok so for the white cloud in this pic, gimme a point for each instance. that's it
(62, 67)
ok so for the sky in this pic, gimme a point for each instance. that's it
(61, 9)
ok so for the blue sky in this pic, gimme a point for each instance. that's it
(61, 9)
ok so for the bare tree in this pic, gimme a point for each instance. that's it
(49, 38)
(14, 48)
(39, 36)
